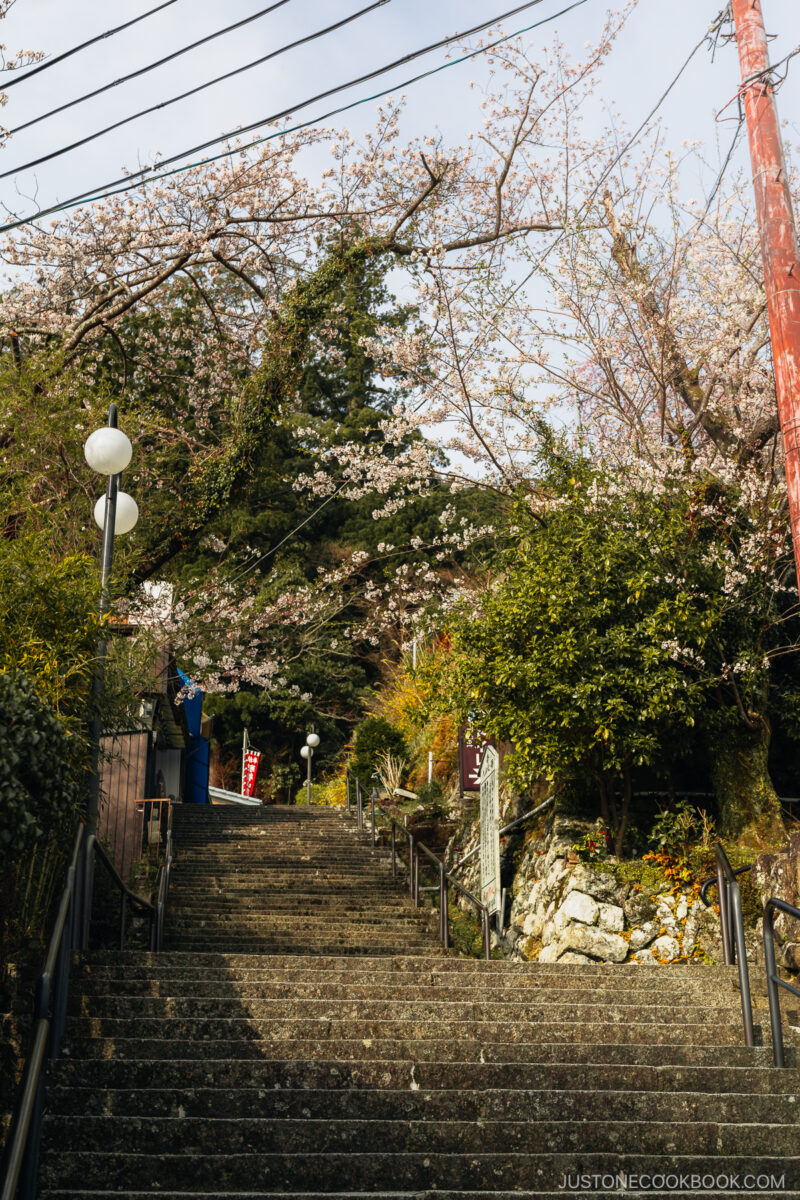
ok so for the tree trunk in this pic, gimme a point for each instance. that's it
(750, 812)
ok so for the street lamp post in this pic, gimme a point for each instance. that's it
(307, 752)
(108, 451)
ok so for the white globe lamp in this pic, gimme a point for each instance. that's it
(305, 752)
(108, 450)
(126, 516)
(312, 740)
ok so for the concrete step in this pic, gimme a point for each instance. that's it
(598, 1104)
(374, 1170)
(405, 1041)
(335, 919)
(307, 1136)
(446, 1194)
(419, 966)
(557, 1067)
(404, 972)
(435, 1013)
(252, 987)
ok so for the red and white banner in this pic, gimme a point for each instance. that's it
(251, 761)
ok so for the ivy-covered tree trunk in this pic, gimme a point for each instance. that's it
(749, 808)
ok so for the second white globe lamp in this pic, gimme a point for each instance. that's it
(126, 516)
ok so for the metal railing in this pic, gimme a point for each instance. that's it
(445, 879)
(71, 931)
(734, 949)
(774, 982)
(506, 829)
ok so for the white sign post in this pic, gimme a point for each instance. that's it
(490, 830)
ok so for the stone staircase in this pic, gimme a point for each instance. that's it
(303, 1035)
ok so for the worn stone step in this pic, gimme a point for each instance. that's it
(282, 921)
(374, 1170)
(598, 1104)
(431, 972)
(523, 1015)
(255, 988)
(309, 1136)
(387, 946)
(417, 1195)
(557, 1067)
(419, 965)
(296, 902)
(408, 1043)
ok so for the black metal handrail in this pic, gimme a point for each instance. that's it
(506, 829)
(93, 848)
(772, 906)
(415, 848)
(50, 1016)
(162, 892)
(70, 932)
(731, 920)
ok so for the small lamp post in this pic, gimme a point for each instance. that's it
(108, 451)
(307, 752)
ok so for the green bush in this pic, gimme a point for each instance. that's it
(375, 736)
(39, 786)
(431, 796)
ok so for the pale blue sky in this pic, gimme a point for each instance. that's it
(657, 39)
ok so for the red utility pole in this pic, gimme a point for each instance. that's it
(778, 238)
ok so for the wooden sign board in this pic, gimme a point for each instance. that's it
(470, 752)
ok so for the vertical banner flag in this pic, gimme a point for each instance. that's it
(251, 761)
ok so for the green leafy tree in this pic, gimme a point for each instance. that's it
(607, 637)
(374, 736)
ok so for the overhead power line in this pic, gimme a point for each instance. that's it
(200, 87)
(51, 62)
(155, 172)
(263, 12)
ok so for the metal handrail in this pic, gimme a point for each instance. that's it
(731, 919)
(506, 829)
(162, 892)
(50, 1015)
(70, 932)
(773, 980)
(93, 847)
(445, 879)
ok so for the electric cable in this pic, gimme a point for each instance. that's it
(152, 174)
(153, 66)
(201, 87)
(51, 62)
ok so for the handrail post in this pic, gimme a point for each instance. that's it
(741, 958)
(347, 786)
(29, 1170)
(411, 864)
(359, 805)
(772, 987)
(443, 905)
(394, 852)
(724, 915)
(88, 886)
(123, 910)
(372, 815)
(487, 937)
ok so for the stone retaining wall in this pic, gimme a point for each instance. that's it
(569, 911)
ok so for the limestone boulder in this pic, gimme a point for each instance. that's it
(611, 917)
(588, 939)
(666, 949)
